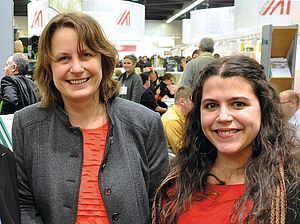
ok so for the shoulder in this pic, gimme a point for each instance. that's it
(7, 78)
(136, 76)
(128, 109)
(31, 114)
(131, 112)
(6, 153)
(4, 149)
(170, 115)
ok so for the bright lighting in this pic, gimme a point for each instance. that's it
(193, 5)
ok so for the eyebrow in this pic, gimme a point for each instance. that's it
(231, 99)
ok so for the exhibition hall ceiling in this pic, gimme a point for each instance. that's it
(154, 9)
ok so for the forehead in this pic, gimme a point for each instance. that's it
(127, 60)
(62, 36)
(65, 37)
(220, 87)
(9, 60)
(283, 96)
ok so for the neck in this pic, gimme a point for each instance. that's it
(228, 169)
(181, 109)
(87, 115)
(128, 73)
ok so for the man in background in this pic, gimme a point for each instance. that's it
(174, 119)
(17, 91)
(289, 101)
(192, 70)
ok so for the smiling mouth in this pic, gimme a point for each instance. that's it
(226, 133)
(78, 81)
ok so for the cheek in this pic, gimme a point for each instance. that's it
(58, 72)
(207, 119)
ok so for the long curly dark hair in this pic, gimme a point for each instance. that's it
(273, 145)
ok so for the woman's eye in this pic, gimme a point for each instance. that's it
(86, 55)
(63, 59)
(211, 105)
(238, 104)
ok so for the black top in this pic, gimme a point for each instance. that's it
(163, 91)
(148, 99)
(17, 92)
(9, 210)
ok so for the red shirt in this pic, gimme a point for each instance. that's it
(91, 208)
(217, 208)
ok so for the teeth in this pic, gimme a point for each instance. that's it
(78, 81)
(226, 133)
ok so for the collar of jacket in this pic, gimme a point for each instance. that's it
(207, 54)
(64, 117)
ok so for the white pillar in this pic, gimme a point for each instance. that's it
(7, 32)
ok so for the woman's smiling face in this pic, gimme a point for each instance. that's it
(230, 115)
(76, 73)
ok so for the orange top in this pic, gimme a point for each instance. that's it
(91, 208)
(217, 208)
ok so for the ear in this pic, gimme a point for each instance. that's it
(181, 101)
(14, 67)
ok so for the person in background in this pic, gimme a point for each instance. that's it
(148, 98)
(17, 91)
(131, 83)
(235, 165)
(188, 58)
(192, 71)
(183, 63)
(9, 207)
(289, 101)
(195, 54)
(83, 154)
(175, 117)
(144, 63)
(154, 80)
(164, 90)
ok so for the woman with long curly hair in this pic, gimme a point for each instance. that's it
(236, 164)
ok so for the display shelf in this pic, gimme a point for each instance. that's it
(281, 83)
(279, 42)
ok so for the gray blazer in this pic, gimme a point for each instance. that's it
(134, 86)
(48, 151)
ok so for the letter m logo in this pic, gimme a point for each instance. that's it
(37, 19)
(275, 4)
(124, 19)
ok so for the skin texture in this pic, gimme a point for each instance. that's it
(228, 109)
(76, 74)
(289, 107)
(9, 67)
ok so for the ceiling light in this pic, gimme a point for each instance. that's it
(186, 9)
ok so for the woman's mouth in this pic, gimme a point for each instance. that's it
(78, 81)
(227, 132)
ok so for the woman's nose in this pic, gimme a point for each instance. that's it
(224, 114)
(76, 66)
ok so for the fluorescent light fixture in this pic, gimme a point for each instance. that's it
(186, 9)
